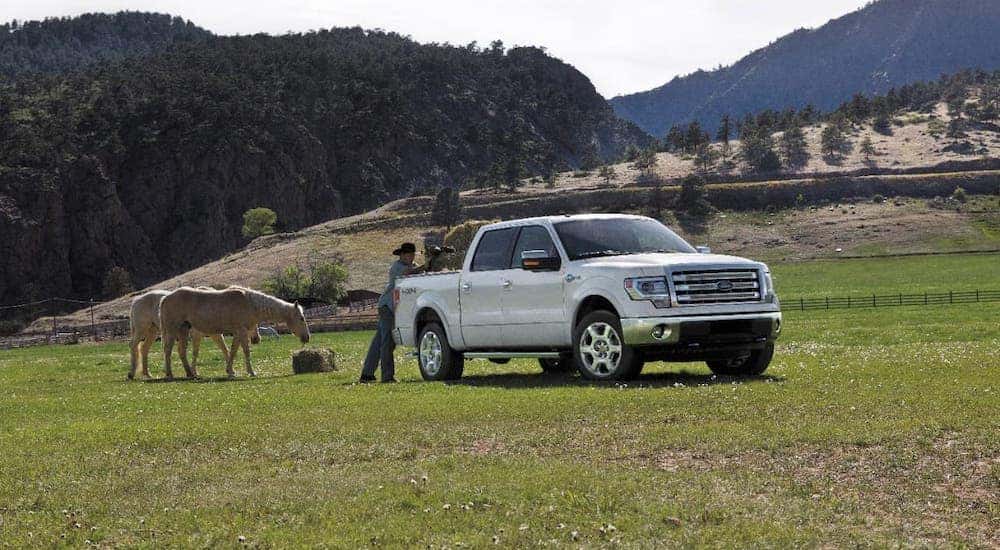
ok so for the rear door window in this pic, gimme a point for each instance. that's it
(494, 249)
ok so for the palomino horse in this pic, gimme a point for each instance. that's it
(233, 311)
(144, 322)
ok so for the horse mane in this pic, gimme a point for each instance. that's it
(265, 303)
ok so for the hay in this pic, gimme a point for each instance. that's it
(313, 360)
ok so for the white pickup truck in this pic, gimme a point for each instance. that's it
(601, 293)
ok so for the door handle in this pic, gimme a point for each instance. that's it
(570, 277)
(506, 284)
(466, 287)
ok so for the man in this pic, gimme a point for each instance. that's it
(383, 344)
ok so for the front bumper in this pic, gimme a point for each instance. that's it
(724, 330)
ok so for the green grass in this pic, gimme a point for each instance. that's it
(907, 274)
(872, 427)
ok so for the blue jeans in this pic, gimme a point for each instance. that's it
(382, 347)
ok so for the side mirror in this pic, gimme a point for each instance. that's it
(703, 249)
(539, 260)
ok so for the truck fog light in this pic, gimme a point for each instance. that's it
(777, 326)
(660, 332)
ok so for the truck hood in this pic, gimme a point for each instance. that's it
(657, 261)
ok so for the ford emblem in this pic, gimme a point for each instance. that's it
(724, 285)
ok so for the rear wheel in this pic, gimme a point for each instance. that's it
(560, 365)
(436, 358)
(749, 363)
(599, 351)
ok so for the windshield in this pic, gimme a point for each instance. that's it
(617, 236)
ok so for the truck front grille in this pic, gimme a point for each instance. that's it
(716, 286)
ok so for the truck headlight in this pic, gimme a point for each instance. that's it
(768, 282)
(649, 288)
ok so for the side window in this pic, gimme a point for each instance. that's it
(533, 237)
(493, 251)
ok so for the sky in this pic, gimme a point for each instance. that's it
(623, 46)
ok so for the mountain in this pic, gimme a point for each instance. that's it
(58, 45)
(149, 163)
(886, 44)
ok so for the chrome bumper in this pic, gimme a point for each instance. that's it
(640, 331)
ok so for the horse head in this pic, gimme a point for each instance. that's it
(297, 323)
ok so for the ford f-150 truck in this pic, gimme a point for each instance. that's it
(599, 293)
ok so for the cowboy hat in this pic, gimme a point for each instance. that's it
(404, 248)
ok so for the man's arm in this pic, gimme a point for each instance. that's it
(414, 269)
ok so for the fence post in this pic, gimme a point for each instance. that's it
(848, 302)
(802, 304)
(900, 298)
(977, 294)
(925, 298)
(93, 327)
(827, 302)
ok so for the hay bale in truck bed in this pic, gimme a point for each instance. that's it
(313, 360)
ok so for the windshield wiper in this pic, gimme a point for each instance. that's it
(596, 253)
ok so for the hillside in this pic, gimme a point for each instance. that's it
(848, 224)
(64, 44)
(884, 45)
(149, 164)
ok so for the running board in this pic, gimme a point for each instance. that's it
(510, 354)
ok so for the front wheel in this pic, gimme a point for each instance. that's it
(749, 363)
(599, 351)
(436, 358)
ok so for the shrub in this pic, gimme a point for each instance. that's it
(9, 327)
(258, 221)
(117, 282)
(878, 199)
(324, 282)
(460, 237)
(959, 195)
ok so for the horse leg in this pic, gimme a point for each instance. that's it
(168, 348)
(195, 348)
(182, 351)
(220, 342)
(245, 344)
(230, 357)
(133, 348)
(146, 344)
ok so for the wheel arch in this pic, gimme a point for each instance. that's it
(591, 303)
(428, 314)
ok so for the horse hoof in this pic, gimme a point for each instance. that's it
(252, 374)
(168, 378)
(129, 377)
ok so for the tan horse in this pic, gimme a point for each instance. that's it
(144, 322)
(231, 311)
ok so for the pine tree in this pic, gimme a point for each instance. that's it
(833, 142)
(447, 209)
(867, 148)
(757, 148)
(794, 149)
(705, 157)
(607, 172)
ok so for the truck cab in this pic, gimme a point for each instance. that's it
(598, 293)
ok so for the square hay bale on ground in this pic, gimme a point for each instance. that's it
(313, 360)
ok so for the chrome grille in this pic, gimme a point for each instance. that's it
(716, 286)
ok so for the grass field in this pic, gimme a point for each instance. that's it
(872, 428)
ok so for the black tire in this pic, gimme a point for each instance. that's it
(593, 367)
(561, 365)
(451, 362)
(753, 363)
